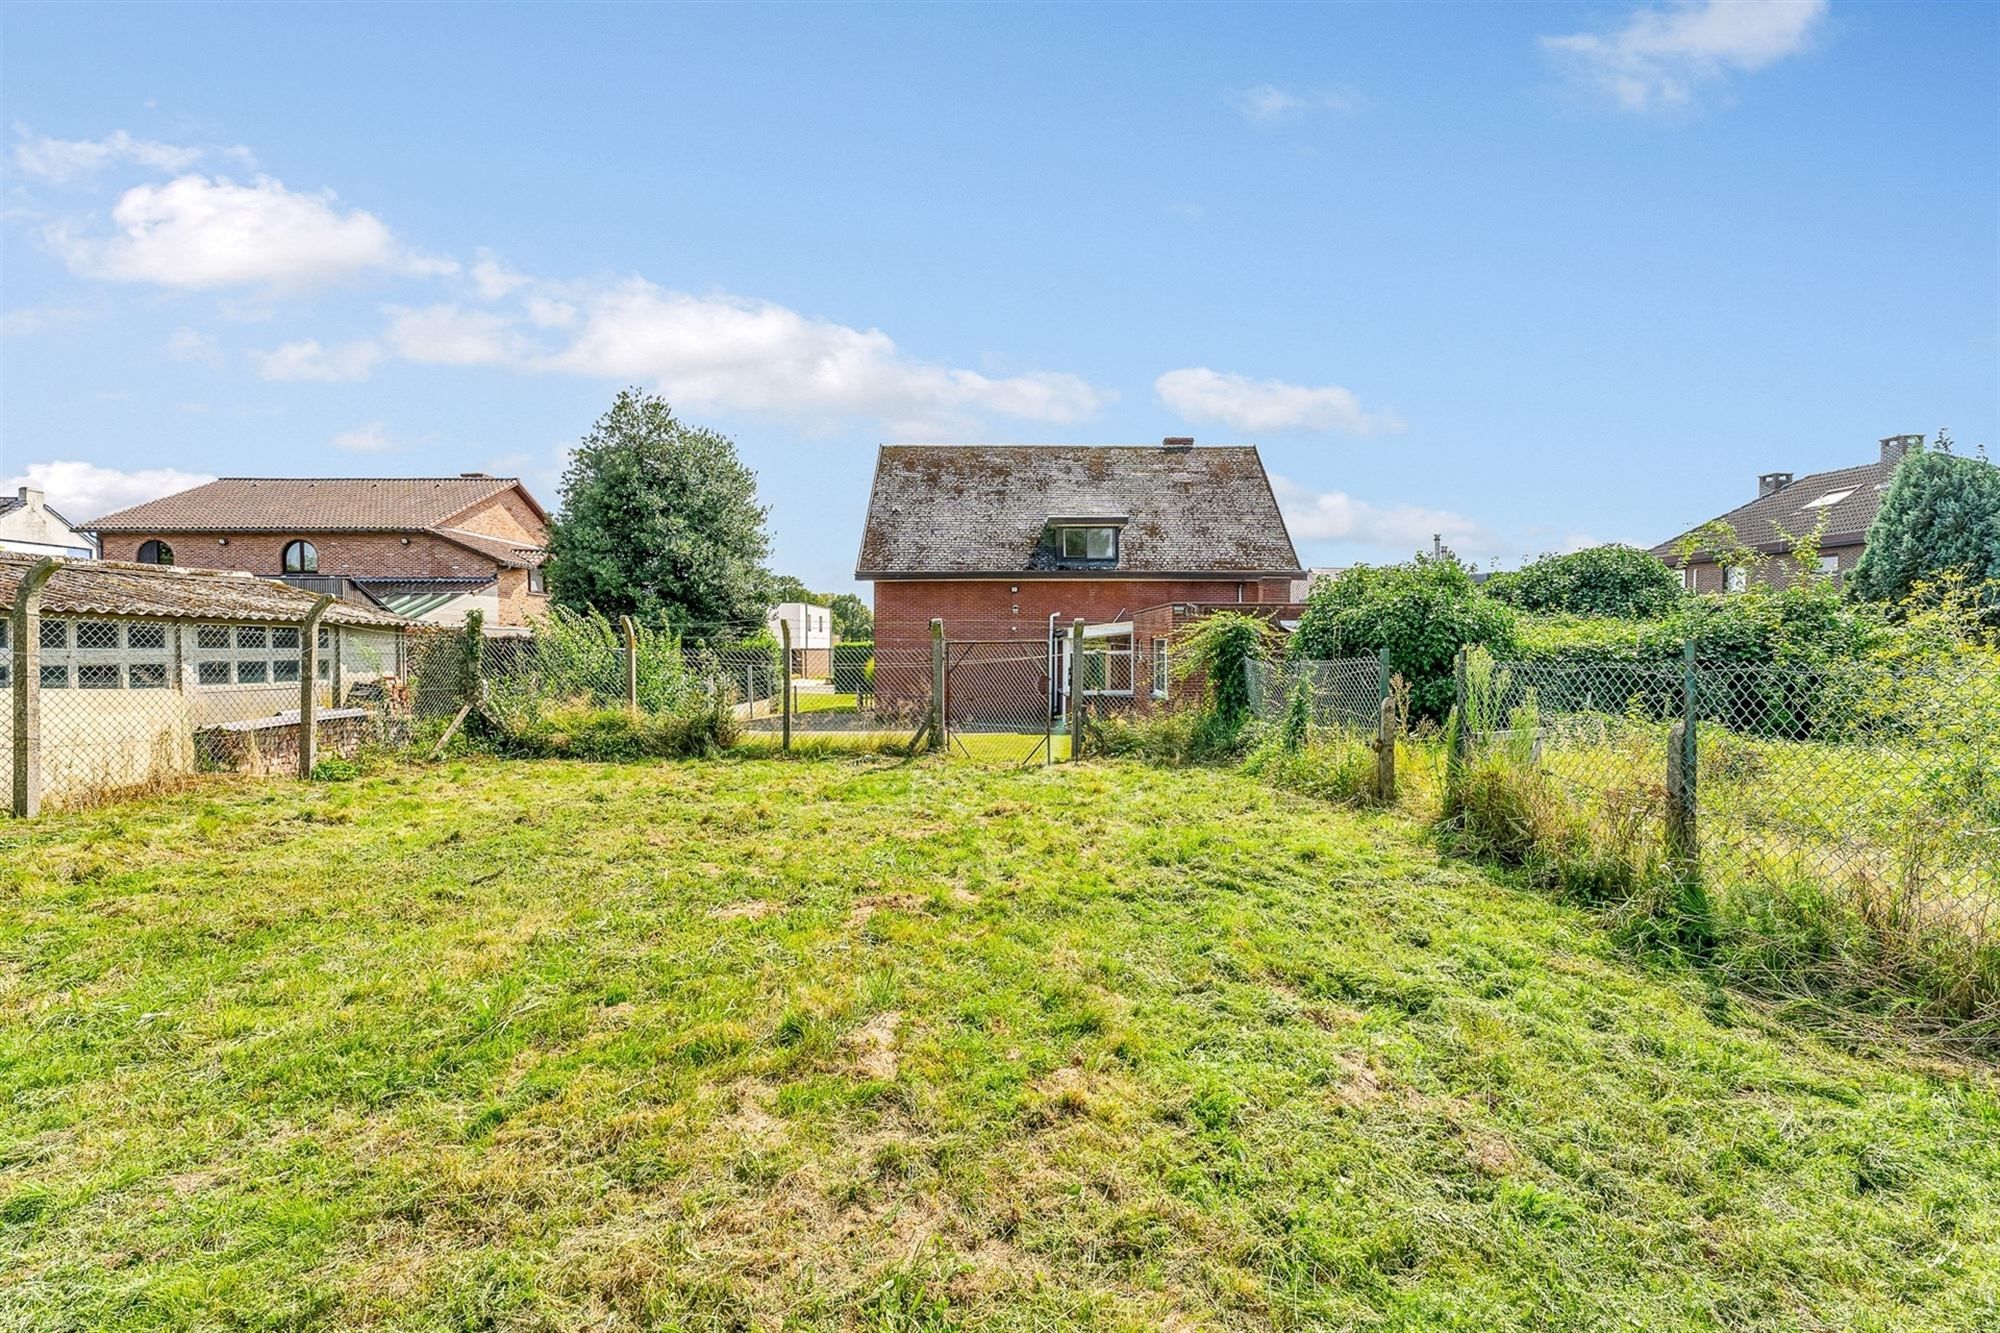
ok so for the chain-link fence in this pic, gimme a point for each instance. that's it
(1342, 692)
(122, 705)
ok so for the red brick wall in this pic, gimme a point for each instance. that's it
(381, 554)
(506, 516)
(978, 609)
(1777, 570)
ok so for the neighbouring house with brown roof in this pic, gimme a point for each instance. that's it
(1839, 504)
(1010, 544)
(425, 548)
(144, 672)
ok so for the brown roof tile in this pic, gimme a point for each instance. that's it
(317, 504)
(946, 510)
(116, 588)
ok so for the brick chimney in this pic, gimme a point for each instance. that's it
(1178, 443)
(1895, 446)
(1770, 483)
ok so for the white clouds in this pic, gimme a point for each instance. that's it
(59, 161)
(1268, 104)
(1263, 406)
(307, 360)
(372, 438)
(493, 278)
(192, 345)
(448, 335)
(24, 320)
(733, 354)
(1336, 516)
(84, 491)
(1661, 57)
(199, 232)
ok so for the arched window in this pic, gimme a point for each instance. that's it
(301, 558)
(155, 553)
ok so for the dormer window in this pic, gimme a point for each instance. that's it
(1093, 543)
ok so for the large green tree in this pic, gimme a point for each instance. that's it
(1941, 512)
(851, 617)
(660, 521)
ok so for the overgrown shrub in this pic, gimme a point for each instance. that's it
(1421, 612)
(580, 656)
(584, 731)
(1620, 581)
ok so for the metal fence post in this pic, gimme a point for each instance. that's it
(26, 623)
(785, 680)
(1076, 690)
(937, 685)
(309, 687)
(631, 664)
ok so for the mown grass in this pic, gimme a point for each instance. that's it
(858, 1043)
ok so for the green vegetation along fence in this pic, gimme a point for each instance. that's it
(1832, 822)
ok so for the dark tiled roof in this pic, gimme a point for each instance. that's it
(1763, 523)
(316, 504)
(984, 509)
(115, 588)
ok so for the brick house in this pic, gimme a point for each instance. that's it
(1009, 544)
(424, 548)
(1840, 503)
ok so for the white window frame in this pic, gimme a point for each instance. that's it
(1735, 578)
(1829, 500)
(1087, 535)
(80, 649)
(1690, 578)
(276, 647)
(1829, 565)
(538, 579)
(1160, 678)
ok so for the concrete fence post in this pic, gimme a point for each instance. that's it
(938, 712)
(631, 664)
(1385, 753)
(1461, 741)
(25, 623)
(309, 687)
(1076, 690)
(1383, 676)
(1683, 774)
(785, 682)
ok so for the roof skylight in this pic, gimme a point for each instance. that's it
(1828, 500)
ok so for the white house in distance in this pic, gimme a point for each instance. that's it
(812, 636)
(30, 527)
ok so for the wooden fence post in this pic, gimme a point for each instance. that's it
(309, 687)
(26, 628)
(938, 713)
(1076, 690)
(785, 680)
(1385, 753)
(631, 664)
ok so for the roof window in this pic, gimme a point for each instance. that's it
(1827, 501)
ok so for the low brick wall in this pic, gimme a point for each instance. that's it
(266, 745)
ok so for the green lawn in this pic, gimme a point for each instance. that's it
(852, 1043)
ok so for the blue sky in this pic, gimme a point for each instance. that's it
(1532, 275)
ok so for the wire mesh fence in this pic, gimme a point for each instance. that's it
(1868, 789)
(1342, 692)
(122, 705)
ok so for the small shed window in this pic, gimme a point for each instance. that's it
(301, 557)
(155, 553)
(246, 654)
(1089, 543)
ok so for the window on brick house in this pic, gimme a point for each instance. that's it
(1735, 578)
(1088, 543)
(538, 579)
(155, 553)
(1159, 668)
(301, 557)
